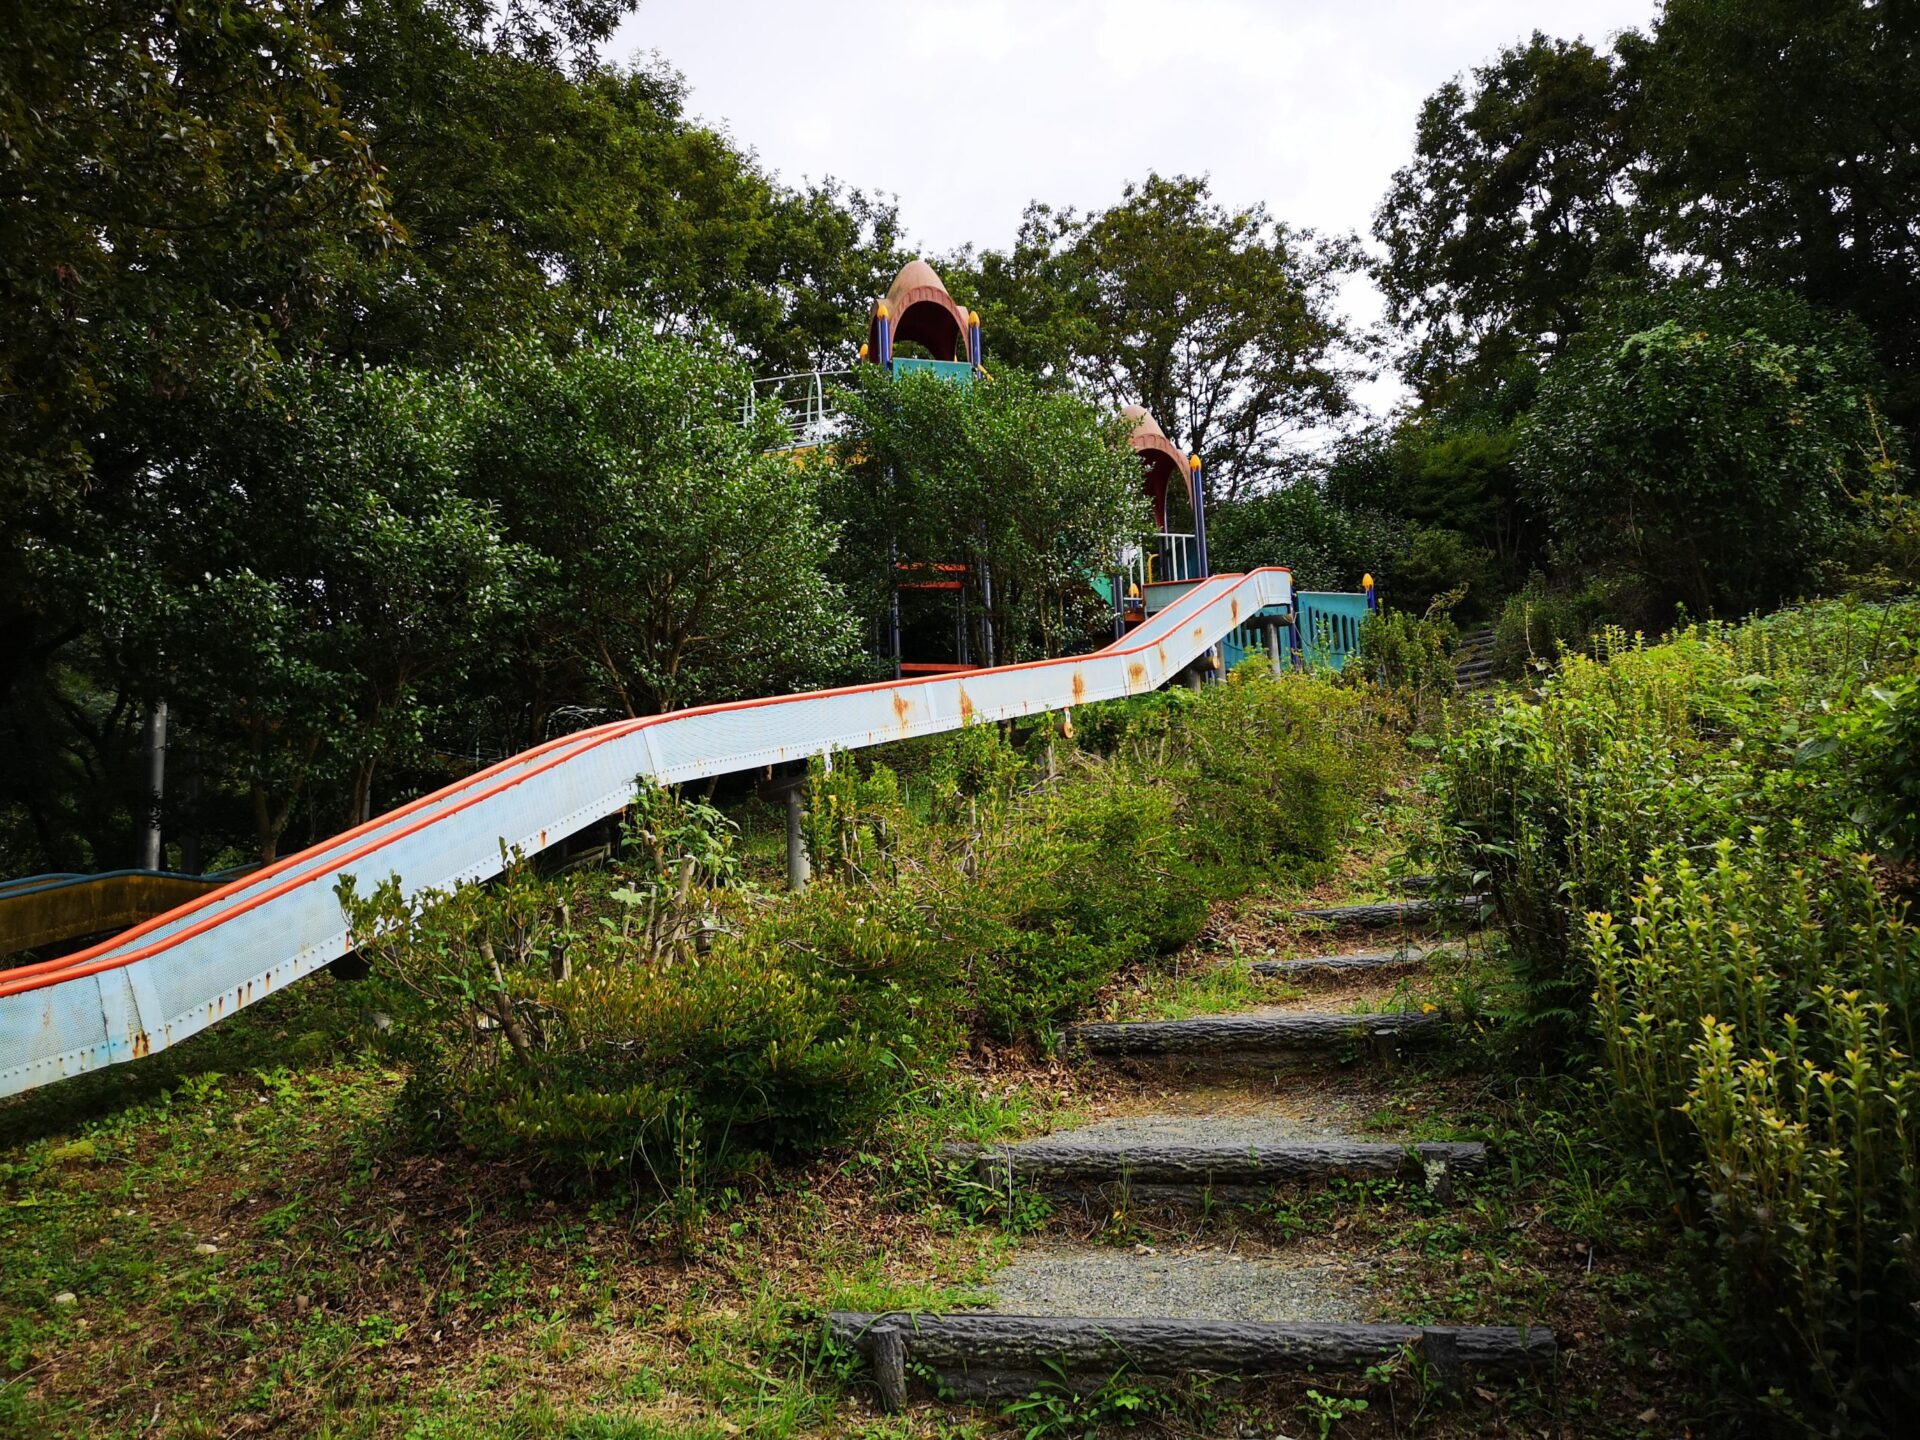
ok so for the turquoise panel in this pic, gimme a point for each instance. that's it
(1329, 627)
(956, 372)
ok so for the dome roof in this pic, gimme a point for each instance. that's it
(916, 274)
(1160, 459)
(920, 309)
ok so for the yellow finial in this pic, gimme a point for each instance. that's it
(1193, 462)
(881, 309)
(973, 318)
(863, 350)
(1366, 581)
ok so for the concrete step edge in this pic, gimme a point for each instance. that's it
(984, 1356)
(1063, 1161)
(1292, 1031)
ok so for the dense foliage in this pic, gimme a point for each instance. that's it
(1705, 442)
(1677, 840)
(204, 210)
(1030, 489)
(661, 1021)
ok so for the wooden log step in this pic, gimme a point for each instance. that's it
(1063, 1162)
(1287, 1033)
(1356, 960)
(982, 1356)
(1395, 912)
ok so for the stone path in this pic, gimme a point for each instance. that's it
(1240, 1113)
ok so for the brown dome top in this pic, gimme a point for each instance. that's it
(1160, 459)
(914, 275)
(921, 309)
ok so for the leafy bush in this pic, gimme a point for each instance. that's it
(1411, 654)
(1556, 807)
(656, 1024)
(601, 1026)
(1540, 624)
(1754, 1013)
(1882, 742)
(1758, 1017)
(1705, 439)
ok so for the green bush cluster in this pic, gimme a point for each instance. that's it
(1411, 654)
(1044, 870)
(1555, 807)
(1757, 1017)
(659, 1022)
(1679, 840)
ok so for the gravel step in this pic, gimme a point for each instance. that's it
(1079, 1160)
(1355, 960)
(1257, 1036)
(983, 1356)
(1383, 914)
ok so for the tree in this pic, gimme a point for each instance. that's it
(303, 573)
(1516, 204)
(682, 550)
(1706, 440)
(1327, 546)
(1038, 488)
(1221, 322)
(536, 195)
(178, 191)
(1782, 142)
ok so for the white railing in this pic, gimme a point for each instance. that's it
(804, 402)
(1165, 557)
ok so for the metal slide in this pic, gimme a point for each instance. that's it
(176, 974)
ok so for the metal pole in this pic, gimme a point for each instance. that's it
(798, 870)
(1273, 646)
(1199, 517)
(986, 611)
(893, 606)
(156, 785)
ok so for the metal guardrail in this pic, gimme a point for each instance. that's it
(181, 972)
(804, 401)
(1329, 627)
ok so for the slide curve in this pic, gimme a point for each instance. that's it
(173, 976)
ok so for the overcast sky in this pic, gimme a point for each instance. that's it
(968, 109)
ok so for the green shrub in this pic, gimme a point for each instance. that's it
(1758, 1020)
(606, 1025)
(1410, 654)
(1540, 625)
(1555, 807)
(1881, 741)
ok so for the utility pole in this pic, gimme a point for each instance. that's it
(156, 785)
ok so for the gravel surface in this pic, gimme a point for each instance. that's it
(1203, 1284)
(1240, 1131)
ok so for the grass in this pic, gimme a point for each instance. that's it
(359, 1287)
(356, 1287)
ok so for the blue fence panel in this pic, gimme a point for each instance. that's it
(1329, 628)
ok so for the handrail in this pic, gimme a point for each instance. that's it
(173, 976)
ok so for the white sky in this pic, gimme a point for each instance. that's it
(967, 109)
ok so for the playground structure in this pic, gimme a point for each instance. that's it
(180, 971)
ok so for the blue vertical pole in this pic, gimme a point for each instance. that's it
(1199, 491)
